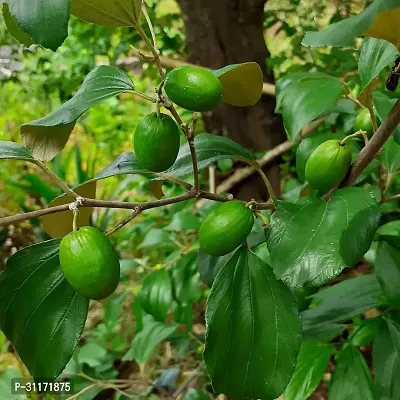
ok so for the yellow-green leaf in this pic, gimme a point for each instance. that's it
(242, 83)
(60, 224)
(379, 20)
(107, 12)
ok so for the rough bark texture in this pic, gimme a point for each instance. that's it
(222, 32)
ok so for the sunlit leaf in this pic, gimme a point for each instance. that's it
(242, 83)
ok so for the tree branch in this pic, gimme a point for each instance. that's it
(379, 138)
(392, 198)
(112, 204)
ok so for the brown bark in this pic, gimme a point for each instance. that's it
(222, 32)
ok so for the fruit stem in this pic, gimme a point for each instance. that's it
(250, 203)
(158, 109)
(354, 135)
(75, 221)
(267, 182)
(263, 218)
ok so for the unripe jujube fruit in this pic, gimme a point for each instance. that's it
(156, 142)
(90, 263)
(328, 165)
(225, 228)
(193, 88)
(363, 122)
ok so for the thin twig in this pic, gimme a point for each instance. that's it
(189, 134)
(188, 381)
(150, 25)
(55, 179)
(392, 198)
(111, 204)
(124, 222)
(84, 390)
(143, 95)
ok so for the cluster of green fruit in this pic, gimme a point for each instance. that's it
(156, 139)
(88, 259)
(95, 273)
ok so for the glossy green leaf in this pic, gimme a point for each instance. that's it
(242, 83)
(185, 280)
(40, 313)
(209, 148)
(350, 368)
(386, 363)
(108, 12)
(306, 147)
(195, 394)
(46, 24)
(155, 237)
(13, 27)
(47, 136)
(339, 303)
(387, 268)
(312, 243)
(145, 342)
(156, 294)
(379, 20)
(376, 54)
(244, 357)
(209, 266)
(311, 365)
(383, 104)
(283, 85)
(12, 150)
(308, 98)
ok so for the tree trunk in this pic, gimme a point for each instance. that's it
(222, 32)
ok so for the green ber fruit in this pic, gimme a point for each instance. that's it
(193, 88)
(328, 165)
(225, 228)
(363, 122)
(156, 142)
(90, 263)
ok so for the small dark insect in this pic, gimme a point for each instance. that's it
(394, 77)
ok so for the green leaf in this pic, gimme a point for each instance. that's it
(244, 357)
(154, 237)
(46, 24)
(6, 385)
(13, 27)
(386, 363)
(367, 332)
(209, 148)
(209, 266)
(183, 221)
(242, 83)
(376, 54)
(60, 224)
(185, 280)
(350, 368)
(12, 150)
(306, 147)
(156, 294)
(392, 228)
(308, 98)
(196, 394)
(284, 84)
(311, 365)
(40, 313)
(387, 268)
(145, 342)
(383, 104)
(92, 354)
(390, 155)
(344, 300)
(312, 243)
(108, 12)
(379, 20)
(47, 136)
